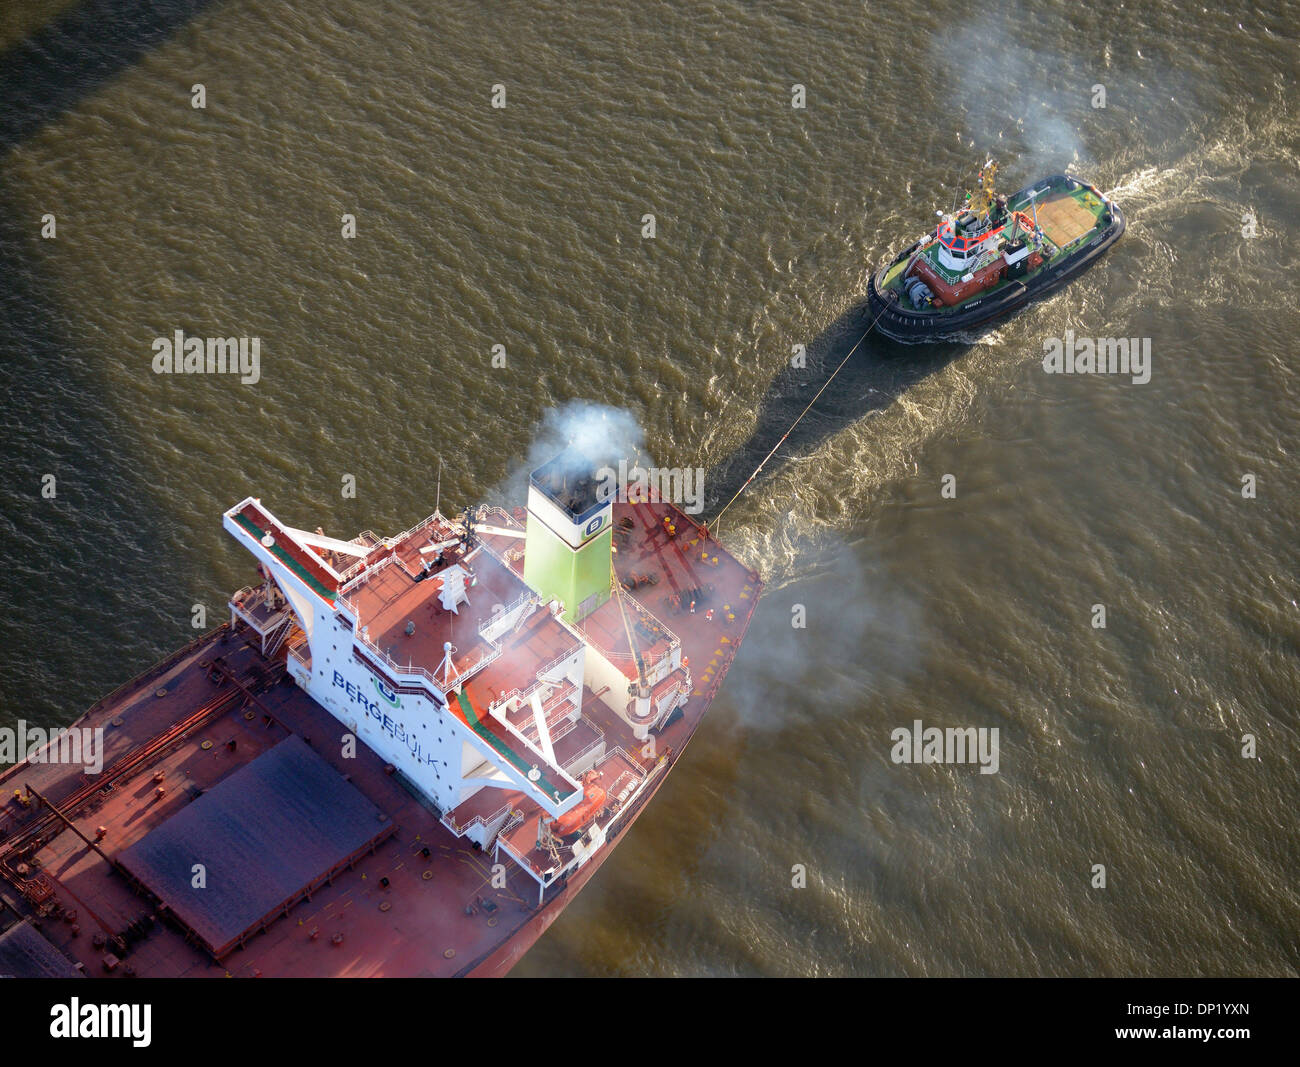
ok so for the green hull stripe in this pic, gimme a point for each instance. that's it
(284, 557)
(499, 746)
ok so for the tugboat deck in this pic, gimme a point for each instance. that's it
(993, 259)
(1065, 216)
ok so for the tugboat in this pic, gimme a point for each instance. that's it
(993, 257)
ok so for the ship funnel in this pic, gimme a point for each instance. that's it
(570, 531)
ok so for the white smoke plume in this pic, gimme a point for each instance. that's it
(1014, 96)
(839, 637)
(601, 433)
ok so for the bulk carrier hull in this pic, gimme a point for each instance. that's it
(499, 964)
(409, 894)
(894, 317)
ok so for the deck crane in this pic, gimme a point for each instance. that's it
(638, 690)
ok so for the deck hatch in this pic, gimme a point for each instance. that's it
(266, 836)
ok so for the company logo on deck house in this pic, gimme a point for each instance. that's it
(388, 694)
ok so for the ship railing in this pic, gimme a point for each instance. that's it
(459, 828)
(543, 878)
(343, 601)
(535, 752)
(246, 602)
(426, 521)
(503, 517)
(409, 670)
(651, 620)
(554, 665)
(520, 696)
(620, 751)
(348, 573)
(483, 545)
(357, 579)
(583, 753)
(391, 560)
(463, 672)
(548, 877)
(507, 558)
(562, 728)
(497, 516)
(301, 654)
(368, 540)
(649, 660)
(495, 619)
(436, 519)
(524, 695)
(358, 568)
(518, 699)
(642, 785)
(557, 726)
(401, 671)
(542, 680)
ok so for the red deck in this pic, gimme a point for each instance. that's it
(423, 902)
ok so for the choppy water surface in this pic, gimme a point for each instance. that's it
(522, 227)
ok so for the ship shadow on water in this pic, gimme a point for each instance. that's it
(57, 419)
(876, 375)
(72, 55)
(58, 422)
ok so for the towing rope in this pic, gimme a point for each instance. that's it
(717, 519)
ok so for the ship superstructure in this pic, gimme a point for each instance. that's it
(453, 724)
(460, 652)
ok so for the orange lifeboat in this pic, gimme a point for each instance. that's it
(592, 801)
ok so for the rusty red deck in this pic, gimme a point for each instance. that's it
(423, 901)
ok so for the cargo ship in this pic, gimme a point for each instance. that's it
(992, 257)
(400, 756)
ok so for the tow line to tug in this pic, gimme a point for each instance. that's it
(717, 519)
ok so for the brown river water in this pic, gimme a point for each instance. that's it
(522, 227)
